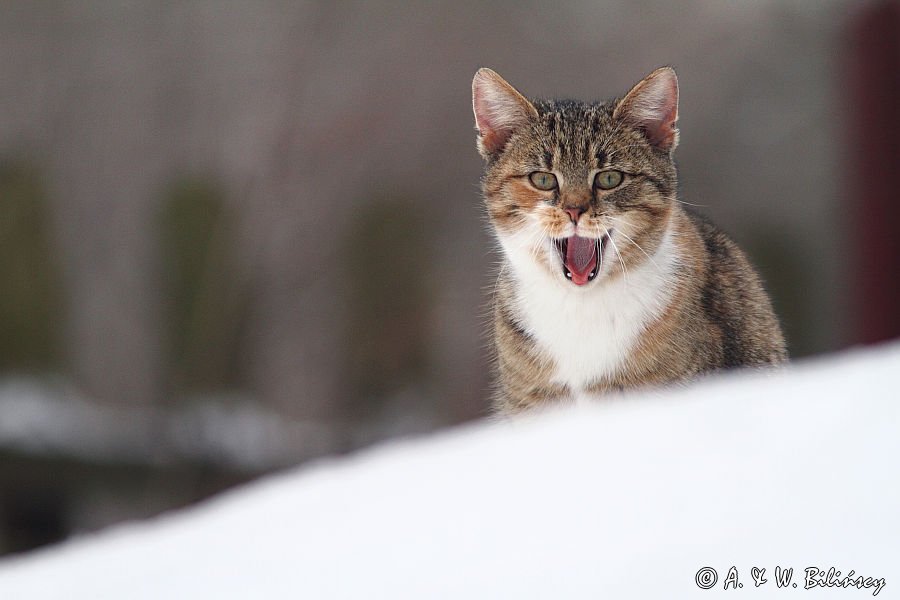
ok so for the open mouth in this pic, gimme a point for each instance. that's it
(581, 257)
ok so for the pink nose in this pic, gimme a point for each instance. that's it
(574, 213)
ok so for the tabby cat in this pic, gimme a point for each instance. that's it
(607, 282)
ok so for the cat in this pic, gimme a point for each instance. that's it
(607, 282)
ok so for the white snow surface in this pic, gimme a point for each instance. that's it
(625, 499)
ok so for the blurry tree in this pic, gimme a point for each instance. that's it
(387, 263)
(204, 305)
(30, 288)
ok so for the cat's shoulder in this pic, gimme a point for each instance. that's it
(720, 250)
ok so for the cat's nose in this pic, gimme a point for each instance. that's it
(574, 213)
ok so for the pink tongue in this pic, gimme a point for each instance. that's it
(581, 258)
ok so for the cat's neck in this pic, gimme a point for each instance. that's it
(589, 332)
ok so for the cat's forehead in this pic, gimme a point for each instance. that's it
(567, 110)
(574, 135)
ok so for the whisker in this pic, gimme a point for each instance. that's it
(650, 258)
(691, 204)
(539, 242)
(619, 254)
(627, 237)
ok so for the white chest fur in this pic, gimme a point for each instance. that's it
(588, 332)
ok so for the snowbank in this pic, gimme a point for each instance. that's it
(627, 499)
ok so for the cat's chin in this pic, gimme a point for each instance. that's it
(580, 258)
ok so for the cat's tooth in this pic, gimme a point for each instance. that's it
(569, 275)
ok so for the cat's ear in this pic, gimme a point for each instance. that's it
(652, 106)
(499, 111)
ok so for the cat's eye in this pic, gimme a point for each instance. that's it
(543, 181)
(607, 180)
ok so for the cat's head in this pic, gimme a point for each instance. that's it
(579, 192)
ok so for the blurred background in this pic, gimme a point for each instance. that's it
(238, 236)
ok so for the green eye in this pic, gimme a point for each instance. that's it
(607, 180)
(543, 180)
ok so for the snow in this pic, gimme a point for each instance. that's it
(626, 499)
